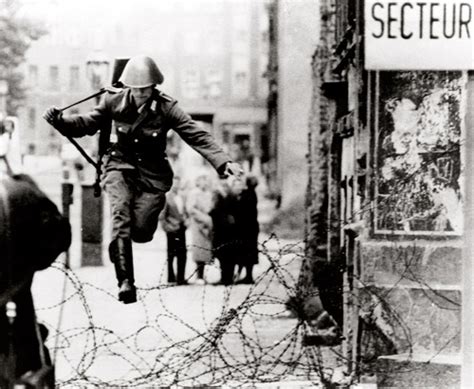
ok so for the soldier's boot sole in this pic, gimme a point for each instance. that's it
(127, 292)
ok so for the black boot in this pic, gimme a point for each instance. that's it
(120, 251)
(171, 277)
(248, 275)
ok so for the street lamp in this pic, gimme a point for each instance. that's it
(97, 69)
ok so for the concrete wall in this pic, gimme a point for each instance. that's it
(298, 35)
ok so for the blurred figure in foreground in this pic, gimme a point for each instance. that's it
(199, 205)
(32, 235)
(174, 221)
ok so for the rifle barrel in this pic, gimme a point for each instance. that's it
(100, 92)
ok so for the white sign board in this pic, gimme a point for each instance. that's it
(419, 35)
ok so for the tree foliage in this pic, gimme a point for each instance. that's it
(17, 34)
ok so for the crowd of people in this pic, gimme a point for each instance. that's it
(221, 220)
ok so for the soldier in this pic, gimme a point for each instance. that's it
(137, 173)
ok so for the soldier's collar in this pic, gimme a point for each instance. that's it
(156, 98)
(153, 105)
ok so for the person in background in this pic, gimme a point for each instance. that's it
(227, 242)
(249, 229)
(199, 205)
(174, 222)
(223, 224)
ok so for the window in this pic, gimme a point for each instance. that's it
(240, 84)
(32, 118)
(74, 78)
(53, 78)
(33, 75)
(191, 83)
(240, 76)
(213, 83)
(31, 148)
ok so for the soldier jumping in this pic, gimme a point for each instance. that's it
(136, 172)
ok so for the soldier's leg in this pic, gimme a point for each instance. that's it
(120, 193)
(146, 209)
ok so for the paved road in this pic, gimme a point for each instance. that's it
(174, 334)
(186, 335)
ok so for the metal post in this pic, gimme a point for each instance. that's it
(67, 188)
(467, 336)
(91, 220)
(92, 207)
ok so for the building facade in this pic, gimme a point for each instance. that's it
(293, 39)
(385, 205)
(213, 55)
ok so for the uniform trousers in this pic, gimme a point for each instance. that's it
(134, 211)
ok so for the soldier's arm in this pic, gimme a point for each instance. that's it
(80, 125)
(195, 136)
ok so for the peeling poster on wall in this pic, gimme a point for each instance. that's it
(419, 153)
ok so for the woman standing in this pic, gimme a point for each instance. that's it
(248, 229)
(199, 205)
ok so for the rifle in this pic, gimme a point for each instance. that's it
(104, 134)
(96, 164)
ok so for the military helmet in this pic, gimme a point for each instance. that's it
(140, 72)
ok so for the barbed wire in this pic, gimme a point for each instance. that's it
(232, 341)
(238, 335)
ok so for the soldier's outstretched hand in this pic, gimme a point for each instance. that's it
(232, 169)
(53, 116)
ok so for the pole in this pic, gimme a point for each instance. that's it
(467, 334)
(91, 219)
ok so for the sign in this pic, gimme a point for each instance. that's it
(419, 35)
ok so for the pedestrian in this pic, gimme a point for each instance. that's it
(32, 234)
(199, 206)
(226, 239)
(137, 173)
(249, 229)
(174, 222)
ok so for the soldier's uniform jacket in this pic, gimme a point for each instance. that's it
(141, 136)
